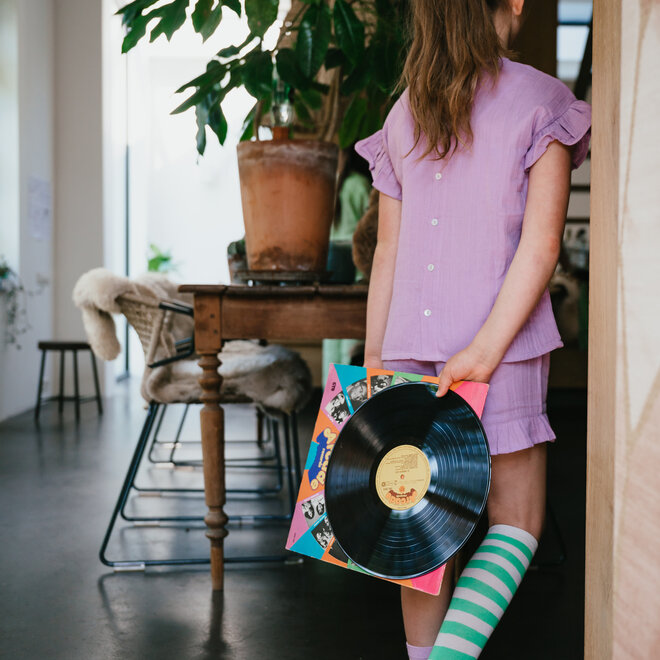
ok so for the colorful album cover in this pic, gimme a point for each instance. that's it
(347, 388)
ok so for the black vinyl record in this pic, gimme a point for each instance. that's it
(407, 480)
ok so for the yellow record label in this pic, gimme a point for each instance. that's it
(403, 477)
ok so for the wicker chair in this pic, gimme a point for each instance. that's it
(164, 327)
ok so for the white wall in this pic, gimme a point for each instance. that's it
(79, 162)
(78, 154)
(9, 189)
(115, 135)
(52, 130)
(27, 133)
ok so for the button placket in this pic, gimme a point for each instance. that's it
(431, 267)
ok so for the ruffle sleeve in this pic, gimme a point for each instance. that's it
(572, 128)
(374, 150)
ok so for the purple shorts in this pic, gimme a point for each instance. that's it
(514, 416)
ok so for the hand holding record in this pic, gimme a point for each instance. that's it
(407, 480)
(468, 364)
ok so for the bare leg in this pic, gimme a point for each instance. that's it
(517, 498)
(423, 613)
(517, 489)
(516, 512)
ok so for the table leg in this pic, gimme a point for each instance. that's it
(213, 454)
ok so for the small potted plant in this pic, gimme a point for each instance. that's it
(12, 293)
(327, 82)
(236, 260)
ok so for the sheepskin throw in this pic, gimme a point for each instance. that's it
(272, 376)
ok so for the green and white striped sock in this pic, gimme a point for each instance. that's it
(483, 592)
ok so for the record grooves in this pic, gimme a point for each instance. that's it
(407, 480)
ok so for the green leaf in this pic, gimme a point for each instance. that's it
(385, 9)
(135, 31)
(266, 103)
(172, 17)
(289, 70)
(231, 51)
(215, 72)
(311, 98)
(359, 77)
(218, 122)
(313, 38)
(211, 25)
(387, 61)
(372, 120)
(261, 14)
(212, 82)
(350, 127)
(205, 18)
(349, 31)
(201, 13)
(333, 58)
(319, 87)
(247, 130)
(258, 74)
(132, 10)
(234, 5)
(248, 122)
(302, 113)
(201, 116)
(193, 100)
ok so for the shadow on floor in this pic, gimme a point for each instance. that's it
(59, 483)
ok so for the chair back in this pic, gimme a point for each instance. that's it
(152, 325)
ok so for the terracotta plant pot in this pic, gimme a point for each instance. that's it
(288, 195)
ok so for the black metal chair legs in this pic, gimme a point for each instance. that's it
(149, 430)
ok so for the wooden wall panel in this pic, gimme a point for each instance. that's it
(623, 487)
(636, 603)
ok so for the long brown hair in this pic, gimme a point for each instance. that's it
(454, 42)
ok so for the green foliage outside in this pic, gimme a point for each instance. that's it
(158, 261)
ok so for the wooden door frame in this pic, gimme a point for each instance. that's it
(603, 298)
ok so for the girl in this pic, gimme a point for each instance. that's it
(473, 168)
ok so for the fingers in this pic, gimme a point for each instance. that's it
(444, 382)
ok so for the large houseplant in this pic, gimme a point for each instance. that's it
(336, 62)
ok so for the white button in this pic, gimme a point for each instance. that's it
(427, 312)
(430, 267)
(438, 175)
(434, 222)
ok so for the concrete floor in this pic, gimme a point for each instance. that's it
(59, 483)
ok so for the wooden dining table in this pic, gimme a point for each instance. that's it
(272, 312)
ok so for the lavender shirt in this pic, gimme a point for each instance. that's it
(461, 219)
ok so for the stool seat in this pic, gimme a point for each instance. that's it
(62, 347)
(54, 345)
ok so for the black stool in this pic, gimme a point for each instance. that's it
(63, 347)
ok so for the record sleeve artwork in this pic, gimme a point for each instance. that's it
(393, 488)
